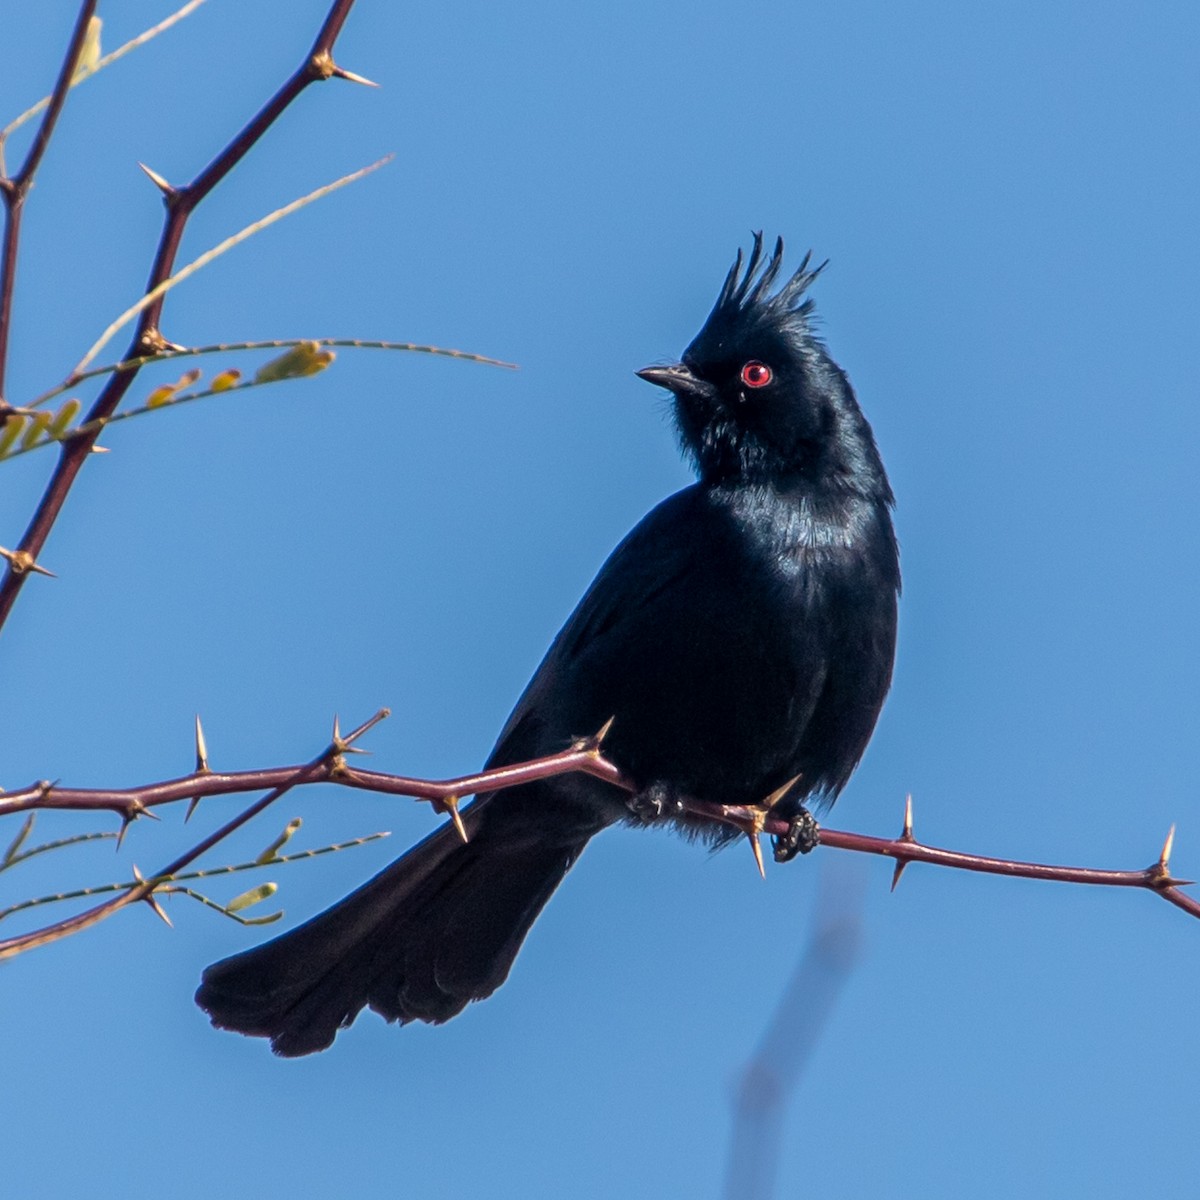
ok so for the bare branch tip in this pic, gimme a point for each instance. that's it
(353, 736)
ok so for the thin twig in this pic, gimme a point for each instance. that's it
(180, 203)
(257, 864)
(15, 189)
(82, 74)
(131, 364)
(159, 290)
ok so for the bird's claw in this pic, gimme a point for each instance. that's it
(803, 835)
(654, 803)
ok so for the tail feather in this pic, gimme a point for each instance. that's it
(437, 929)
(463, 948)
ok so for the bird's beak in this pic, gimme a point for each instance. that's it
(677, 379)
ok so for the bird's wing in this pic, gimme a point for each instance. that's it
(679, 639)
(644, 576)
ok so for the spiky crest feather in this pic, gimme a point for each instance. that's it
(746, 296)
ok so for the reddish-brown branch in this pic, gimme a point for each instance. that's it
(906, 849)
(586, 757)
(16, 188)
(130, 802)
(180, 203)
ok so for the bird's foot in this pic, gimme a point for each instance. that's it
(803, 835)
(655, 803)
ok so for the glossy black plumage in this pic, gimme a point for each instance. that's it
(741, 635)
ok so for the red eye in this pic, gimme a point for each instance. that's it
(756, 374)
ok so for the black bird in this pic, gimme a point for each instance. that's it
(742, 636)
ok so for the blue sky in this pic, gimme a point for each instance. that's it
(1008, 196)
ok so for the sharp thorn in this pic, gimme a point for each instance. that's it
(149, 896)
(21, 561)
(1165, 857)
(779, 793)
(99, 450)
(158, 181)
(758, 854)
(907, 833)
(450, 805)
(201, 749)
(901, 863)
(152, 900)
(591, 744)
(338, 743)
(351, 77)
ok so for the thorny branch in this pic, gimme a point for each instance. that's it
(585, 756)
(180, 203)
(327, 760)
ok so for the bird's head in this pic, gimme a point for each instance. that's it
(757, 394)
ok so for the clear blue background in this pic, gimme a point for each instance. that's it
(1009, 196)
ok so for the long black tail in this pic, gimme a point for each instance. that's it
(437, 929)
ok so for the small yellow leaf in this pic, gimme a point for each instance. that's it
(161, 395)
(64, 417)
(305, 359)
(225, 380)
(9, 434)
(167, 392)
(37, 427)
(254, 896)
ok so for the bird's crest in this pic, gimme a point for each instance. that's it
(746, 295)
